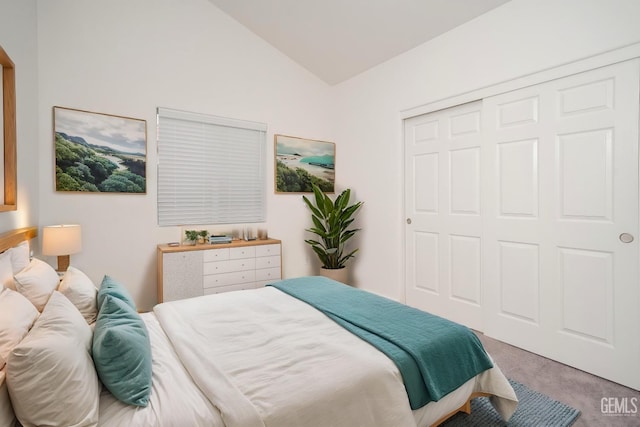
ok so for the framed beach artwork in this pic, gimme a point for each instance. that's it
(300, 163)
(99, 153)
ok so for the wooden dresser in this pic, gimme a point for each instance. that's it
(190, 271)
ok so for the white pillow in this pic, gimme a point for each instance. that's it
(81, 292)
(17, 315)
(19, 256)
(50, 374)
(7, 417)
(6, 271)
(37, 282)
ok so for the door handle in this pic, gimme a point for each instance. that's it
(409, 221)
(626, 238)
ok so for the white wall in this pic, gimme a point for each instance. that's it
(18, 39)
(127, 58)
(516, 39)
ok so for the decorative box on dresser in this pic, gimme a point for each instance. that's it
(190, 271)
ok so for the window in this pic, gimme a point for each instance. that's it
(211, 170)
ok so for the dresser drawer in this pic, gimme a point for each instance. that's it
(181, 272)
(229, 266)
(267, 262)
(267, 250)
(229, 288)
(216, 255)
(243, 252)
(268, 274)
(225, 279)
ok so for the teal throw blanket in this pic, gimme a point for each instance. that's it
(434, 355)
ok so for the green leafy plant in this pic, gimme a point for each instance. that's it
(191, 235)
(331, 220)
(196, 235)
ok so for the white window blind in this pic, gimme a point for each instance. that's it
(211, 170)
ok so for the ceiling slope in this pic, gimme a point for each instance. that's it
(338, 39)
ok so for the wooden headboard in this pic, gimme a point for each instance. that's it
(13, 237)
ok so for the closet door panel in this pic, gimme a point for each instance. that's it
(444, 213)
(561, 187)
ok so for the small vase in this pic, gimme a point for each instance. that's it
(338, 274)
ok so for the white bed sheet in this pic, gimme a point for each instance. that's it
(175, 400)
(264, 358)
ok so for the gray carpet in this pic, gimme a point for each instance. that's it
(534, 410)
(572, 386)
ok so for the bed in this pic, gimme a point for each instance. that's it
(261, 357)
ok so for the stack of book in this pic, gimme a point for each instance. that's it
(213, 239)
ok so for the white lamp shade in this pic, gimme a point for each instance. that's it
(61, 239)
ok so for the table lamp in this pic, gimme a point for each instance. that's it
(61, 240)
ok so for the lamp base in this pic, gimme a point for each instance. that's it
(63, 263)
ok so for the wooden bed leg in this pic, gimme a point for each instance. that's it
(466, 408)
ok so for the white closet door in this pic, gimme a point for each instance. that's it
(444, 223)
(561, 192)
(524, 218)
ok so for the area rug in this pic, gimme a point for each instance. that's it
(534, 410)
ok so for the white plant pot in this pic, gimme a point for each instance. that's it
(339, 274)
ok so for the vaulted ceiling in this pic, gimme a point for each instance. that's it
(338, 39)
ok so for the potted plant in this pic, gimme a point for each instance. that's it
(202, 235)
(331, 220)
(191, 236)
(195, 236)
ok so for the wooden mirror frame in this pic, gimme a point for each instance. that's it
(9, 123)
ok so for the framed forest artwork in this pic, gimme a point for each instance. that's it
(301, 162)
(99, 153)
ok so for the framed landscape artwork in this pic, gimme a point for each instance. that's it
(300, 163)
(99, 153)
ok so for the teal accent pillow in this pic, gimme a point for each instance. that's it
(109, 286)
(122, 352)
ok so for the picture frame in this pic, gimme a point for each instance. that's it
(8, 141)
(99, 153)
(301, 162)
